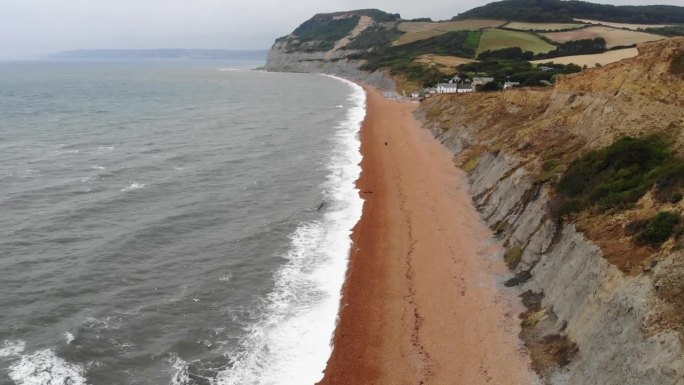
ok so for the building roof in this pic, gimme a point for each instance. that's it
(447, 85)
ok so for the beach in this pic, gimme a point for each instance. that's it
(420, 304)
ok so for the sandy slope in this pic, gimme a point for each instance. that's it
(420, 305)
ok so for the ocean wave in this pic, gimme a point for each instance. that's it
(46, 368)
(69, 337)
(291, 343)
(11, 348)
(179, 369)
(103, 323)
(133, 186)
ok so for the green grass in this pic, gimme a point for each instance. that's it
(494, 38)
(473, 40)
(619, 175)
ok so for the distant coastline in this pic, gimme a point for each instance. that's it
(166, 53)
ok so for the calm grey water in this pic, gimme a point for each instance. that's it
(172, 222)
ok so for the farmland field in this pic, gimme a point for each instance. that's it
(493, 38)
(542, 26)
(614, 37)
(623, 25)
(591, 60)
(444, 61)
(424, 30)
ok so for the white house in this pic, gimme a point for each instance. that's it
(447, 88)
(481, 81)
(464, 88)
(508, 85)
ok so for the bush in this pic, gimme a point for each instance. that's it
(510, 53)
(576, 47)
(655, 231)
(618, 175)
(512, 256)
(548, 170)
(673, 30)
(489, 86)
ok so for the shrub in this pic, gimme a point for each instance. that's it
(512, 256)
(489, 86)
(576, 47)
(618, 175)
(509, 53)
(655, 231)
(548, 170)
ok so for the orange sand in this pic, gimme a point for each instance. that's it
(420, 305)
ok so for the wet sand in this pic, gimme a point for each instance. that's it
(420, 304)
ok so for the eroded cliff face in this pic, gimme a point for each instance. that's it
(601, 310)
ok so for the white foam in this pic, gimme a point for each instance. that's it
(226, 277)
(292, 343)
(179, 368)
(45, 368)
(11, 348)
(69, 337)
(133, 186)
(104, 323)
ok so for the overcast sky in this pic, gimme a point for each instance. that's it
(37, 27)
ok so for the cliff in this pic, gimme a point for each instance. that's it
(323, 44)
(602, 308)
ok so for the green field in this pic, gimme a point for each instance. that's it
(522, 26)
(493, 39)
(415, 31)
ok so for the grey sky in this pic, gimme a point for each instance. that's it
(36, 27)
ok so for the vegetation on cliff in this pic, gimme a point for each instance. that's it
(321, 32)
(619, 175)
(566, 11)
(656, 230)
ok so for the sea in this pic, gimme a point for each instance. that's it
(173, 222)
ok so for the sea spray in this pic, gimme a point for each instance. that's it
(291, 344)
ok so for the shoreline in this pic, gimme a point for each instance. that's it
(419, 304)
